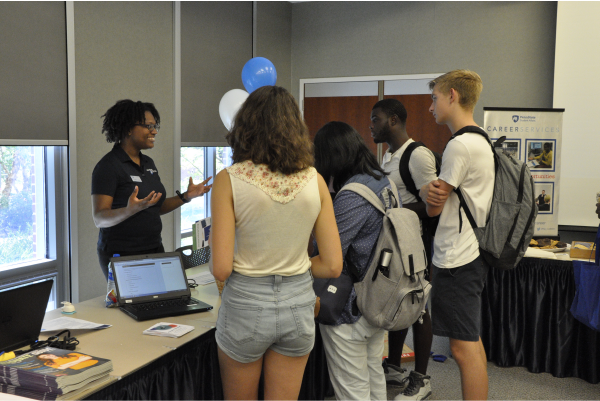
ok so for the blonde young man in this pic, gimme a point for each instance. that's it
(459, 273)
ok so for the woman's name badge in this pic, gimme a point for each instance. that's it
(135, 178)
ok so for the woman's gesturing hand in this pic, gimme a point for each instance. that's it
(141, 204)
(196, 190)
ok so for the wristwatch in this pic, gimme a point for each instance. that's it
(182, 197)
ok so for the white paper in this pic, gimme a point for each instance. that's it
(4, 396)
(164, 329)
(538, 253)
(203, 278)
(562, 256)
(69, 323)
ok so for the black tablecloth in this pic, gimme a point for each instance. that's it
(526, 321)
(191, 372)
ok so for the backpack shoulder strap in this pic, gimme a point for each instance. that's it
(389, 198)
(471, 128)
(373, 199)
(405, 171)
(476, 130)
(463, 204)
(366, 193)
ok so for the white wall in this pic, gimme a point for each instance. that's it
(576, 89)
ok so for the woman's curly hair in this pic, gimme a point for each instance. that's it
(123, 116)
(269, 129)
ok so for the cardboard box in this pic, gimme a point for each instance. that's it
(579, 253)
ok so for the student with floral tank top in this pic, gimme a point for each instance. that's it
(264, 208)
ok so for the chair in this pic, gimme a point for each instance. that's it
(193, 257)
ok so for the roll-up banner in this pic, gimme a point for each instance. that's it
(533, 136)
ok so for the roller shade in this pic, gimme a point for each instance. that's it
(33, 71)
(216, 42)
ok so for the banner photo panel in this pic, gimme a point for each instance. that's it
(533, 136)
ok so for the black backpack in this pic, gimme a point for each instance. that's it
(429, 224)
(509, 227)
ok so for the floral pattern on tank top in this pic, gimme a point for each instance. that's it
(280, 187)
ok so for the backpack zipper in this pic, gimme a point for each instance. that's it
(396, 309)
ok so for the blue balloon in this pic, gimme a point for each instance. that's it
(257, 72)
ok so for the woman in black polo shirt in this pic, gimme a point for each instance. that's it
(127, 195)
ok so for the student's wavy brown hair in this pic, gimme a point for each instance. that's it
(269, 129)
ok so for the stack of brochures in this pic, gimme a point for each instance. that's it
(164, 329)
(53, 374)
(200, 233)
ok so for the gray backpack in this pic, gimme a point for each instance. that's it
(393, 297)
(509, 227)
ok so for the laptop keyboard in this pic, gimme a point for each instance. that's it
(162, 304)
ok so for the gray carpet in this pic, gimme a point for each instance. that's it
(506, 384)
(515, 383)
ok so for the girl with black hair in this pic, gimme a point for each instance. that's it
(354, 347)
(127, 194)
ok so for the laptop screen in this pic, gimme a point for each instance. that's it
(22, 311)
(149, 277)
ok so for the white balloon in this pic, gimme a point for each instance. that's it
(230, 104)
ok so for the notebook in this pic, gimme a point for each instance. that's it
(154, 286)
(22, 311)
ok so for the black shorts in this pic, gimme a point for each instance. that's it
(456, 300)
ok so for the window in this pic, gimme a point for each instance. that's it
(199, 163)
(22, 206)
(32, 217)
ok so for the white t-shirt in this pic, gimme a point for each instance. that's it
(421, 166)
(467, 162)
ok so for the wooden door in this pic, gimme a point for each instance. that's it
(420, 124)
(353, 110)
(356, 111)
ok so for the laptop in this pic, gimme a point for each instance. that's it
(154, 286)
(22, 311)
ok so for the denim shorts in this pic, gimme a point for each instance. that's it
(456, 300)
(271, 312)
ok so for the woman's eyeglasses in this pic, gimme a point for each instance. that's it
(150, 127)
